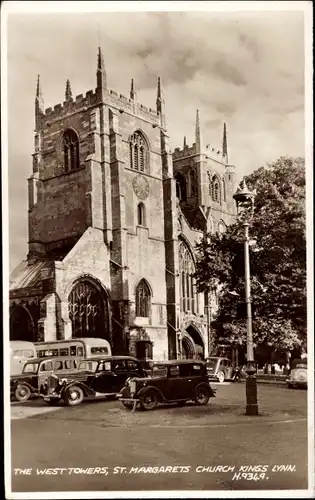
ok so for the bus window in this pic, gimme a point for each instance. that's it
(73, 350)
(99, 350)
(80, 352)
(64, 351)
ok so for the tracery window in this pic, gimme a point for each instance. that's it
(215, 189)
(138, 152)
(88, 311)
(141, 214)
(70, 144)
(188, 295)
(143, 300)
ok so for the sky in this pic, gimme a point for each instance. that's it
(243, 68)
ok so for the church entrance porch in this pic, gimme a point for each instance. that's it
(191, 344)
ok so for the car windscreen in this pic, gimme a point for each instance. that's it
(299, 363)
(212, 364)
(30, 368)
(159, 371)
(88, 365)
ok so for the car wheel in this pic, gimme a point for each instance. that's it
(22, 393)
(221, 377)
(73, 396)
(202, 395)
(149, 401)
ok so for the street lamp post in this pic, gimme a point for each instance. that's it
(245, 207)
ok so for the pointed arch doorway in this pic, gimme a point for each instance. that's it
(192, 344)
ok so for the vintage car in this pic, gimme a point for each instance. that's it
(220, 369)
(298, 374)
(35, 372)
(171, 381)
(103, 377)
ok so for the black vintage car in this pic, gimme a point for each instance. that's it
(35, 372)
(171, 381)
(96, 377)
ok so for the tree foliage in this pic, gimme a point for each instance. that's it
(277, 262)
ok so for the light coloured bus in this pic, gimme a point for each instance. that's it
(85, 347)
(20, 352)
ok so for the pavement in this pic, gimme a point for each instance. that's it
(213, 447)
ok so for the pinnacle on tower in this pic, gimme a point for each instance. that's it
(224, 144)
(132, 90)
(185, 143)
(68, 91)
(39, 103)
(101, 73)
(198, 134)
(160, 104)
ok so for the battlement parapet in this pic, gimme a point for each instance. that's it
(124, 103)
(186, 151)
(91, 97)
(80, 102)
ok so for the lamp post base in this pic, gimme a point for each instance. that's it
(251, 391)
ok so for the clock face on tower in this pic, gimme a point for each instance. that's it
(141, 187)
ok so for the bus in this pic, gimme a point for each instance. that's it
(88, 347)
(20, 352)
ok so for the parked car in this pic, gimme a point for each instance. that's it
(170, 382)
(298, 374)
(103, 377)
(35, 372)
(221, 369)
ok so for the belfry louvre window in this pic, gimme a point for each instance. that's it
(70, 143)
(215, 190)
(138, 152)
(143, 300)
(188, 295)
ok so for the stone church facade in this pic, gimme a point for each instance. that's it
(113, 219)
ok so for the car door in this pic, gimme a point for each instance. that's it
(103, 379)
(121, 373)
(179, 384)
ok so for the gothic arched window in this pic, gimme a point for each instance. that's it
(138, 152)
(88, 311)
(215, 189)
(188, 295)
(192, 183)
(181, 189)
(70, 144)
(143, 300)
(141, 214)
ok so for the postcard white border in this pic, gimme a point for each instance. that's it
(12, 7)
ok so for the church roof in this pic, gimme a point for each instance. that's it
(27, 276)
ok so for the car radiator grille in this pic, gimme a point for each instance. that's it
(52, 383)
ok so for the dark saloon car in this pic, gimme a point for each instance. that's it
(35, 372)
(96, 377)
(171, 381)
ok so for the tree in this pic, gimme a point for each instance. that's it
(277, 261)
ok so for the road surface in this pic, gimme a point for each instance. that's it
(101, 446)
